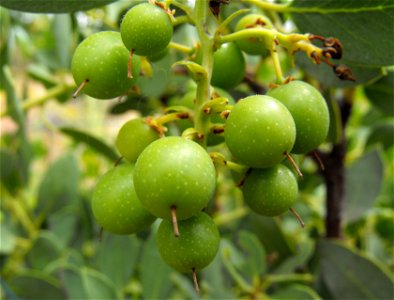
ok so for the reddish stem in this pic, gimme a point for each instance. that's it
(297, 216)
(80, 88)
(293, 163)
(195, 281)
(174, 221)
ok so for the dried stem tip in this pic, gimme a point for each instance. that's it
(297, 216)
(80, 88)
(293, 163)
(195, 281)
(174, 221)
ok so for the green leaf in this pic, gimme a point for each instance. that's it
(381, 94)
(154, 272)
(53, 6)
(363, 183)
(10, 170)
(294, 292)
(349, 275)
(36, 285)
(269, 232)
(363, 27)
(46, 243)
(382, 132)
(14, 106)
(7, 239)
(326, 76)
(59, 186)
(254, 264)
(117, 257)
(298, 260)
(85, 283)
(62, 31)
(335, 130)
(80, 136)
(185, 285)
(63, 224)
(215, 281)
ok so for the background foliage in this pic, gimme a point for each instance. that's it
(53, 149)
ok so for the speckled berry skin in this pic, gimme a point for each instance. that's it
(310, 113)
(174, 171)
(270, 192)
(146, 29)
(228, 66)
(133, 137)
(196, 246)
(253, 46)
(115, 204)
(102, 59)
(259, 131)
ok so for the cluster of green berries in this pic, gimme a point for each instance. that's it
(107, 64)
(173, 178)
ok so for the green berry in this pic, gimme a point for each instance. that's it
(115, 204)
(174, 172)
(270, 192)
(146, 29)
(196, 246)
(228, 66)
(133, 137)
(310, 113)
(259, 131)
(101, 60)
(253, 46)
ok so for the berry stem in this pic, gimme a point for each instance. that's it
(297, 216)
(130, 65)
(195, 281)
(80, 88)
(180, 48)
(318, 160)
(293, 163)
(174, 221)
(276, 62)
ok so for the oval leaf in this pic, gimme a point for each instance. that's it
(155, 274)
(348, 275)
(294, 292)
(364, 45)
(36, 285)
(85, 283)
(117, 257)
(53, 6)
(363, 182)
(80, 136)
(59, 186)
(381, 94)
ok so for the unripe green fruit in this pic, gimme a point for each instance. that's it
(196, 246)
(146, 29)
(228, 66)
(253, 46)
(310, 113)
(133, 137)
(115, 204)
(270, 192)
(259, 131)
(101, 60)
(174, 172)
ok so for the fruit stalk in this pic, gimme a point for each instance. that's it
(203, 88)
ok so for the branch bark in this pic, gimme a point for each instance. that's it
(334, 172)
